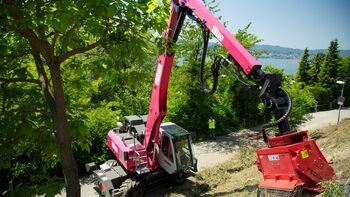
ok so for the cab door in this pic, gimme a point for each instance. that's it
(166, 154)
(184, 153)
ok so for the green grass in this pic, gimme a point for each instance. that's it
(333, 188)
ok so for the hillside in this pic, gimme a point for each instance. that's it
(240, 177)
(228, 169)
(280, 52)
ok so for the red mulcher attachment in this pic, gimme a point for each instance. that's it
(291, 161)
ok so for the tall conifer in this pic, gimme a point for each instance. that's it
(315, 68)
(328, 73)
(304, 67)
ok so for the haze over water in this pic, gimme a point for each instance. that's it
(289, 66)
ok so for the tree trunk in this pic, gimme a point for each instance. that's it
(55, 100)
(57, 106)
(68, 163)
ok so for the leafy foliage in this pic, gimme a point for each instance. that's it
(65, 34)
(189, 107)
(249, 40)
(303, 101)
(344, 75)
(344, 69)
(325, 70)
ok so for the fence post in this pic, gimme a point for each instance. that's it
(330, 105)
(316, 108)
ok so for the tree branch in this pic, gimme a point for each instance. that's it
(67, 38)
(44, 82)
(54, 39)
(40, 45)
(14, 80)
(64, 56)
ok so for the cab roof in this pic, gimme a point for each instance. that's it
(173, 129)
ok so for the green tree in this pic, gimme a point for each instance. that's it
(302, 74)
(321, 94)
(189, 106)
(344, 69)
(328, 74)
(249, 40)
(316, 63)
(53, 32)
(344, 75)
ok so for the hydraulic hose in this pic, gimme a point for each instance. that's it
(237, 76)
(289, 110)
(214, 69)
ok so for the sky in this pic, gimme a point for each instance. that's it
(291, 23)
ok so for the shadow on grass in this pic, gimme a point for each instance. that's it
(189, 188)
(194, 189)
(249, 188)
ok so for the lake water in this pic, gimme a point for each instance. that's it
(289, 66)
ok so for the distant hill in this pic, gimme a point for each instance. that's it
(280, 52)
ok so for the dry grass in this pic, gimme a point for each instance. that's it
(334, 142)
(240, 177)
(236, 177)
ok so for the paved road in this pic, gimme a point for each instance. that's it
(324, 118)
(211, 153)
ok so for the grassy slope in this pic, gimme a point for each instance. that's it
(334, 142)
(240, 177)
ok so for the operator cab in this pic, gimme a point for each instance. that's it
(175, 150)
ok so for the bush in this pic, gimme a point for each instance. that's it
(321, 95)
(303, 100)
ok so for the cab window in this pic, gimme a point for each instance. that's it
(166, 147)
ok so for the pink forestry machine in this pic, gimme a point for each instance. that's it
(148, 151)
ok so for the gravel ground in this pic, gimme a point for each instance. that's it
(213, 152)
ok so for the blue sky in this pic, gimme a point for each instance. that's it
(291, 23)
